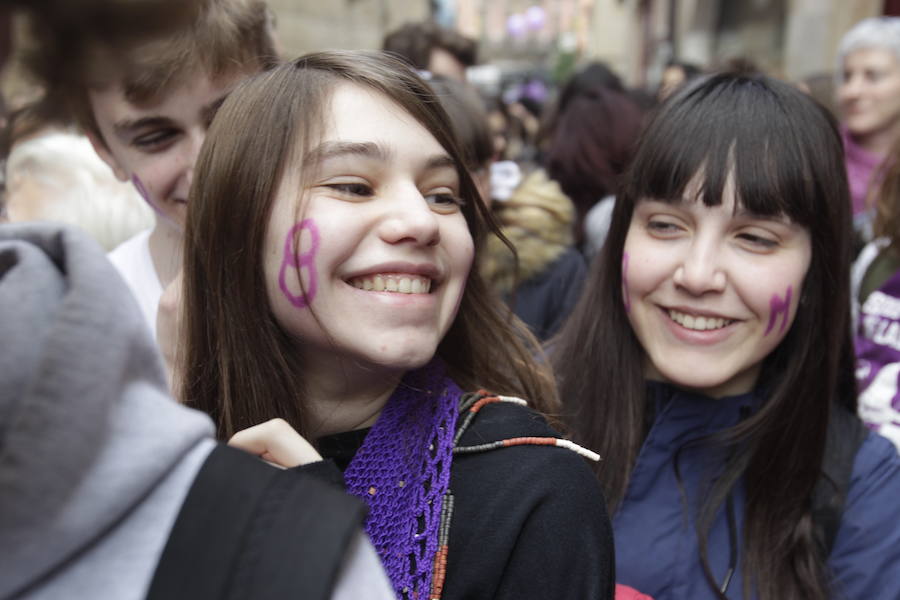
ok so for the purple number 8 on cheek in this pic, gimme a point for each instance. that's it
(303, 262)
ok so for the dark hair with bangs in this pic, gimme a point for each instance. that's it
(238, 364)
(784, 154)
(761, 150)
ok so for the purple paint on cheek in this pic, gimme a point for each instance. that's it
(779, 306)
(299, 261)
(625, 298)
(139, 186)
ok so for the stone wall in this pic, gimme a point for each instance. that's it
(789, 38)
(308, 25)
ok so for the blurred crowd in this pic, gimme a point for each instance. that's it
(183, 144)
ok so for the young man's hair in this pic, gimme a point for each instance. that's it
(109, 19)
(413, 42)
(238, 364)
(219, 37)
(784, 154)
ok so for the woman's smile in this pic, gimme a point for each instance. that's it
(393, 282)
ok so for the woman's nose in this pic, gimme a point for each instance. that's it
(700, 270)
(411, 220)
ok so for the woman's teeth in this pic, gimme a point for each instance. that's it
(401, 284)
(698, 323)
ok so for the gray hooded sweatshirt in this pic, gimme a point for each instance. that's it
(95, 457)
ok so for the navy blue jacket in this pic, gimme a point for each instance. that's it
(657, 551)
(545, 301)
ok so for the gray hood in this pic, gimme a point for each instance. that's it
(87, 428)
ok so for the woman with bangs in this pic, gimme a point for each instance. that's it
(715, 325)
(330, 237)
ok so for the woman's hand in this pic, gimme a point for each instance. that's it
(277, 443)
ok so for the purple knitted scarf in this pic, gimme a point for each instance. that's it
(402, 471)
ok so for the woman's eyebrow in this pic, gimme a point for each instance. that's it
(329, 150)
(440, 161)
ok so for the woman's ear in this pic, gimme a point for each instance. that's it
(103, 152)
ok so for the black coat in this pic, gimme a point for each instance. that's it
(530, 521)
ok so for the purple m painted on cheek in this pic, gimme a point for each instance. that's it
(625, 298)
(300, 261)
(779, 306)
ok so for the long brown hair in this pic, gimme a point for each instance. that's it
(238, 365)
(785, 154)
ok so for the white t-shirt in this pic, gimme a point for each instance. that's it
(132, 259)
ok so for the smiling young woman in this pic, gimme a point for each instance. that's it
(331, 233)
(715, 329)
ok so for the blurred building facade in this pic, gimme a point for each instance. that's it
(307, 25)
(788, 38)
